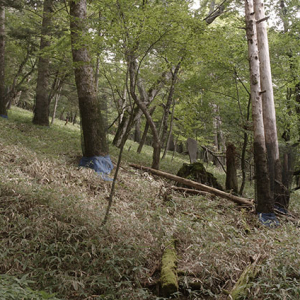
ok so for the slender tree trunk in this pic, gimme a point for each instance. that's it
(231, 175)
(144, 136)
(243, 158)
(145, 97)
(167, 106)
(94, 135)
(156, 141)
(41, 110)
(219, 144)
(137, 130)
(269, 114)
(3, 111)
(170, 132)
(125, 126)
(57, 96)
(264, 201)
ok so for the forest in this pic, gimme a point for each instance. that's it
(149, 149)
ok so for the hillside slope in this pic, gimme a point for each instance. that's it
(50, 227)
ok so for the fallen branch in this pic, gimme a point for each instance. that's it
(240, 288)
(197, 185)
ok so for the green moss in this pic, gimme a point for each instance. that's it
(240, 289)
(169, 282)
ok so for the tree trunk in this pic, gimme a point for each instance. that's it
(264, 201)
(125, 126)
(57, 96)
(144, 136)
(94, 136)
(137, 130)
(168, 104)
(219, 143)
(231, 175)
(142, 105)
(41, 110)
(3, 111)
(269, 115)
(243, 158)
(170, 132)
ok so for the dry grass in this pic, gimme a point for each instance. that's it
(50, 228)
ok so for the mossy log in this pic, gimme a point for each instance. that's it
(197, 185)
(240, 288)
(168, 276)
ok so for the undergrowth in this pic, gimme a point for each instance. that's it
(53, 246)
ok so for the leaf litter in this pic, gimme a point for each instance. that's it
(50, 229)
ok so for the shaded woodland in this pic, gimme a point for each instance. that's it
(209, 91)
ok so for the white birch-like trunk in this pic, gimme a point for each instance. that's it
(263, 197)
(269, 114)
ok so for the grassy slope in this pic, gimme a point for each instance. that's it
(51, 211)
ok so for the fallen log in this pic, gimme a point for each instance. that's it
(239, 290)
(197, 185)
(168, 276)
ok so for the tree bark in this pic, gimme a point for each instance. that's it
(264, 201)
(170, 131)
(167, 105)
(94, 135)
(137, 130)
(57, 96)
(231, 175)
(41, 110)
(3, 110)
(243, 157)
(129, 118)
(144, 136)
(269, 115)
(143, 107)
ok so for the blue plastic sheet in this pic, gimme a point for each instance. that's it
(281, 210)
(101, 164)
(4, 116)
(268, 219)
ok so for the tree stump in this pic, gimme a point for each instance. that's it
(198, 173)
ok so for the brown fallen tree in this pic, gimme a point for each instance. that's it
(197, 185)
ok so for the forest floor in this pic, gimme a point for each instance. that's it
(52, 241)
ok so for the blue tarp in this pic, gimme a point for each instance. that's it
(268, 219)
(281, 210)
(101, 164)
(4, 116)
